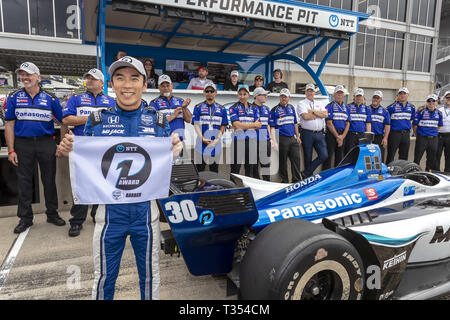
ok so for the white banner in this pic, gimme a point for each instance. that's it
(299, 14)
(117, 170)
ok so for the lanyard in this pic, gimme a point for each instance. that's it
(447, 114)
(341, 108)
(210, 125)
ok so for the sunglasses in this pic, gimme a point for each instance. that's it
(210, 91)
(431, 100)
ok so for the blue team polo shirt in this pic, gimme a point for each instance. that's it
(428, 122)
(264, 115)
(33, 116)
(168, 106)
(82, 105)
(284, 119)
(210, 118)
(380, 118)
(238, 112)
(401, 116)
(338, 114)
(358, 116)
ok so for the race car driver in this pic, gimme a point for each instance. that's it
(76, 113)
(139, 220)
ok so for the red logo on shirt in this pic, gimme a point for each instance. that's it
(371, 194)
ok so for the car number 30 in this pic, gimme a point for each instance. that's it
(183, 211)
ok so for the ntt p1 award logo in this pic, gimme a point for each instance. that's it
(109, 170)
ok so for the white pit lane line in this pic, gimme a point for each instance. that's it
(9, 261)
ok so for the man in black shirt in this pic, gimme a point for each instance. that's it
(258, 83)
(276, 85)
(232, 84)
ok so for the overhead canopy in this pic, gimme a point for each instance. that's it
(269, 29)
(48, 62)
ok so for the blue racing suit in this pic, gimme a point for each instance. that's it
(138, 220)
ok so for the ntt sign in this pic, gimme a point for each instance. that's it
(270, 10)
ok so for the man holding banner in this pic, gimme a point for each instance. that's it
(126, 211)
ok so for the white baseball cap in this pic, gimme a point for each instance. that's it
(359, 92)
(285, 92)
(433, 96)
(29, 68)
(128, 61)
(339, 88)
(164, 78)
(235, 73)
(97, 74)
(447, 93)
(378, 93)
(245, 87)
(310, 86)
(210, 85)
(405, 90)
(260, 91)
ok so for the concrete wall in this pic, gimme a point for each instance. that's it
(419, 90)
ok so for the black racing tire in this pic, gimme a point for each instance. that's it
(214, 178)
(399, 167)
(411, 167)
(399, 163)
(295, 259)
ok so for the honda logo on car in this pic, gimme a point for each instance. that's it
(321, 205)
(303, 183)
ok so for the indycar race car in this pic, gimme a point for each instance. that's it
(363, 230)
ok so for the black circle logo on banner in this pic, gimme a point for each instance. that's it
(125, 181)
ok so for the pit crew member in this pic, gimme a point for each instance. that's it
(402, 113)
(337, 128)
(29, 134)
(426, 126)
(76, 113)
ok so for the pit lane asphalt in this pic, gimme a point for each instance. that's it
(48, 262)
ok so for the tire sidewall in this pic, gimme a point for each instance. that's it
(327, 254)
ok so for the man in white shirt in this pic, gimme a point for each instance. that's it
(312, 117)
(444, 134)
(200, 82)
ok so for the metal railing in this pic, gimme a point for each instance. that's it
(443, 48)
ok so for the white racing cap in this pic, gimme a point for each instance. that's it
(359, 92)
(433, 96)
(128, 62)
(97, 74)
(260, 91)
(378, 93)
(339, 88)
(210, 85)
(405, 90)
(29, 67)
(245, 87)
(234, 73)
(164, 78)
(447, 93)
(310, 86)
(285, 92)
